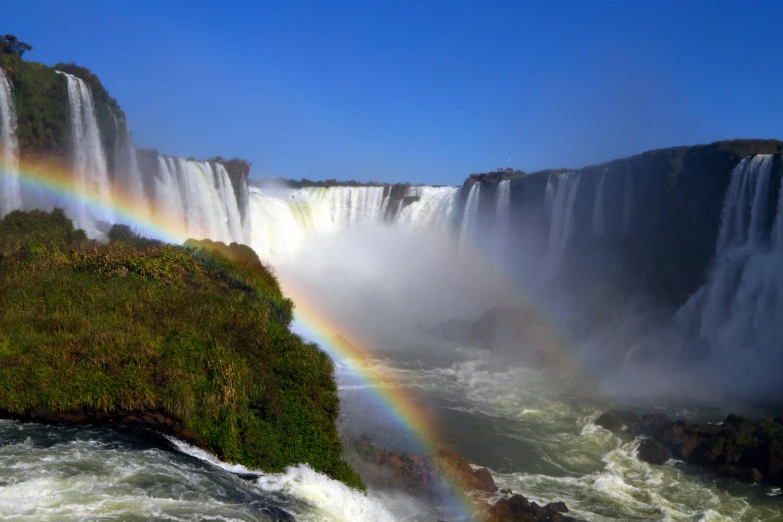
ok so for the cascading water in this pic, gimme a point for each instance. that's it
(599, 226)
(128, 182)
(503, 214)
(10, 195)
(739, 311)
(628, 203)
(435, 208)
(90, 173)
(282, 222)
(200, 198)
(470, 216)
(563, 195)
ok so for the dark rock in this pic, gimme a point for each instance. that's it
(744, 474)
(653, 452)
(517, 508)
(620, 422)
(746, 449)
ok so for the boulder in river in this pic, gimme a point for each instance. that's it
(746, 449)
(652, 451)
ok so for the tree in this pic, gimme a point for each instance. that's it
(11, 45)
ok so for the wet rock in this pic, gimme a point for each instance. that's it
(746, 449)
(620, 422)
(653, 452)
(518, 508)
(423, 475)
(744, 474)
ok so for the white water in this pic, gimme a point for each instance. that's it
(282, 222)
(10, 195)
(739, 312)
(435, 208)
(503, 212)
(599, 227)
(564, 190)
(199, 197)
(91, 177)
(470, 216)
(516, 421)
(75, 474)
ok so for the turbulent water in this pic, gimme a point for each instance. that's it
(10, 194)
(49, 473)
(541, 442)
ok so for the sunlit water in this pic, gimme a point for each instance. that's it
(543, 443)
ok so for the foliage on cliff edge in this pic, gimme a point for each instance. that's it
(199, 333)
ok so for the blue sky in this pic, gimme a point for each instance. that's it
(422, 91)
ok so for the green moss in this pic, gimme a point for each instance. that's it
(199, 333)
(41, 99)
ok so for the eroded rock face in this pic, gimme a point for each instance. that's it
(746, 449)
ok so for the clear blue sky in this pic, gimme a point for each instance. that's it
(421, 91)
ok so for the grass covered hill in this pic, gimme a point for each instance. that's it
(197, 336)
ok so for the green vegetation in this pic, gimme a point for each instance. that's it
(107, 110)
(199, 333)
(41, 99)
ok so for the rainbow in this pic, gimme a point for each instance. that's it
(57, 182)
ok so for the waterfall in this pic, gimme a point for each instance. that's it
(628, 203)
(385, 203)
(90, 173)
(10, 196)
(739, 311)
(129, 182)
(503, 213)
(282, 223)
(435, 208)
(470, 216)
(563, 195)
(599, 227)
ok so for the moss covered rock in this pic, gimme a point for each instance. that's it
(196, 337)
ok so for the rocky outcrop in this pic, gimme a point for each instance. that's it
(653, 452)
(746, 449)
(518, 508)
(154, 420)
(425, 476)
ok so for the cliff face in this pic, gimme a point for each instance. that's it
(659, 214)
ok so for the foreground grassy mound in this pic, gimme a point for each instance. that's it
(199, 335)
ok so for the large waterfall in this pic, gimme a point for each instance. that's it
(562, 190)
(10, 195)
(281, 221)
(739, 311)
(90, 171)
